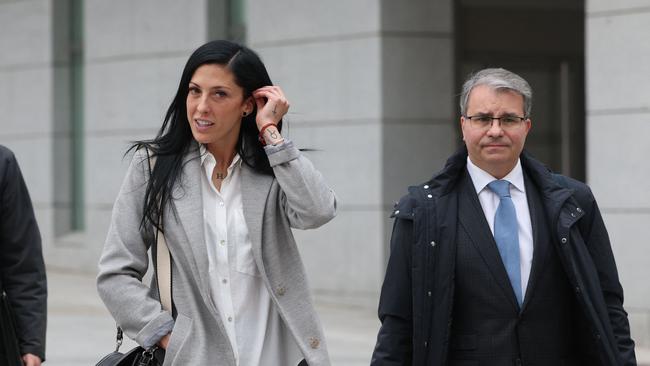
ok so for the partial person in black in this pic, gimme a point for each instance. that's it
(497, 261)
(22, 271)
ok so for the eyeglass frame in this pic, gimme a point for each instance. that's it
(512, 124)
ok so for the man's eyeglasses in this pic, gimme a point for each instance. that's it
(484, 121)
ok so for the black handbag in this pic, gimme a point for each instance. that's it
(137, 356)
(9, 351)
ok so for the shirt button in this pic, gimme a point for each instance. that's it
(230, 318)
(223, 242)
(281, 291)
(221, 203)
(224, 281)
(314, 342)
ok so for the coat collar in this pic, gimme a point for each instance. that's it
(553, 194)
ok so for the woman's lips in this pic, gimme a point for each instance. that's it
(202, 124)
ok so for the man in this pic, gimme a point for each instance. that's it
(22, 271)
(496, 260)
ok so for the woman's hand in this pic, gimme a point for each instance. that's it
(31, 360)
(164, 341)
(272, 105)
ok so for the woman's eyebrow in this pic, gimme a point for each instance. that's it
(212, 87)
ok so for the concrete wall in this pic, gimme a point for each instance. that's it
(132, 64)
(27, 125)
(618, 127)
(370, 85)
(370, 82)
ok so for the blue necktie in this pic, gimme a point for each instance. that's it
(506, 234)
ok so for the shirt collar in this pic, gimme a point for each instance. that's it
(481, 178)
(207, 157)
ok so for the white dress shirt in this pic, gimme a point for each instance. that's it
(256, 332)
(490, 202)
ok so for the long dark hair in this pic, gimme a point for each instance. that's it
(174, 139)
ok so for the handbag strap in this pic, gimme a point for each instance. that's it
(163, 258)
(163, 271)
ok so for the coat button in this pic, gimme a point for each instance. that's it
(396, 212)
(579, 209)
(433, 243)
(426, 186)
(429, 293)
(430, 196)
(578, 291)
(426, 343)
(563, 240)
(314, 342)
(281, 291)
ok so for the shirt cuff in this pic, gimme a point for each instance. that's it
(162, 331)
(281, 153)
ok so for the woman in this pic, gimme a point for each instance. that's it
(229, 188)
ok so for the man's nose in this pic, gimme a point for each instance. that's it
(495, 127)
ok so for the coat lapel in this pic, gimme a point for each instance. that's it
(540, 242)
(471, 217)
(255, 189)
(188, 204)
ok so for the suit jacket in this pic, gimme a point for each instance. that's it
(418, 291)
(296, 197)
(22, 271)
(488, 326)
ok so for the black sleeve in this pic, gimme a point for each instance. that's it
(22, 271)
(395, 338)
(600, 249)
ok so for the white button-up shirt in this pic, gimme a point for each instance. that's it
(256, 332)
(490, 202)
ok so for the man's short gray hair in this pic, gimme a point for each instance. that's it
(497, 79)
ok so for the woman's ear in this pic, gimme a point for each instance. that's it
(249, 106)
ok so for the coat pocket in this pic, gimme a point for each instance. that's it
(180, 334)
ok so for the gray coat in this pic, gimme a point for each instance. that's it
(296, 198)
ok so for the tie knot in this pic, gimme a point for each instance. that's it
(500, 187)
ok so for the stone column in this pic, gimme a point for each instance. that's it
(27, 126)
(370, 85)
(134, 53)
(618, 128)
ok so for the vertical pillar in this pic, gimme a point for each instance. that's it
(618, 126)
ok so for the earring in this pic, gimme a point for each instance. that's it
(245, 113)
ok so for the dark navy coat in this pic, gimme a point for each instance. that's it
(417, 295)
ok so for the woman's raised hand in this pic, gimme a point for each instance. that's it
(272, 105)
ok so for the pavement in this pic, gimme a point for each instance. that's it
(81, 331)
